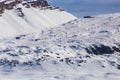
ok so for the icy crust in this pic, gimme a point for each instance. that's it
(83, 49)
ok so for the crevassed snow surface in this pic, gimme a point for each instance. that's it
(34, 20)
(83, 49)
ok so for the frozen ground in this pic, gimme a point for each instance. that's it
(82, 49)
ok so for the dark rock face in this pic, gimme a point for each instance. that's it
(17, 37)
(116, 49)
(19, 12)
(102, 49)
(37, 3)
(118, 66)
(1, 8)
(88, 17)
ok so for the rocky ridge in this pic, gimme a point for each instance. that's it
(10, 4)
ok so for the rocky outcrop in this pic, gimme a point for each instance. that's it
(10, 4)
(2, 7)
(100, 50)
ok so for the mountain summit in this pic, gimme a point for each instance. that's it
(26, 16)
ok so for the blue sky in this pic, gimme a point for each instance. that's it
(88, 7)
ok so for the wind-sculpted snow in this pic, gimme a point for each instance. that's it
(83, 49)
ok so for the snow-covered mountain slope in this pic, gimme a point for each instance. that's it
(83, 49)
(26, 16)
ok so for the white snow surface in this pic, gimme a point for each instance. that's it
(34, 20)
(59, 53)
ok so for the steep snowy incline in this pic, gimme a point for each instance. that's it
(26, 17)
(83, 49)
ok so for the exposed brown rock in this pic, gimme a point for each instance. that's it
(2, 8)
(43, 4)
